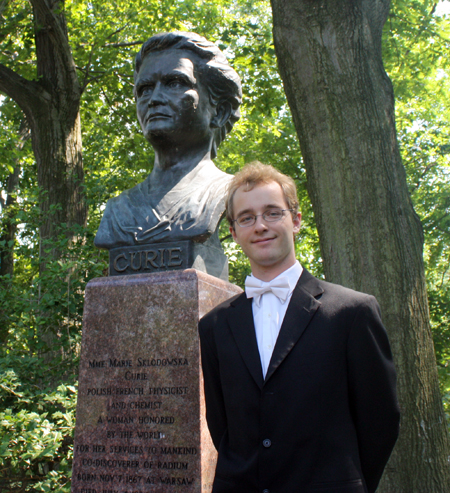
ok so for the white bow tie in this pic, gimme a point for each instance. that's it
(254, 288)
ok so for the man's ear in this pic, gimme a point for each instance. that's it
(223, 113)
(233, 234)
(297, 220)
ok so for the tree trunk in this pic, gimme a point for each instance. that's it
(56, 127)
(51, 105)
(329, 55)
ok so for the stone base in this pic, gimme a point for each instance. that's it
(140, 415)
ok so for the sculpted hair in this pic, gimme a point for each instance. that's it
(222, 82)
(255, 173)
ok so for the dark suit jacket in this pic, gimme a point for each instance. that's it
(326, 417)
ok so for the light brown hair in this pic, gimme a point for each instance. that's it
(255, 173)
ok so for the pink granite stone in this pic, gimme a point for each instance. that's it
(141, 415)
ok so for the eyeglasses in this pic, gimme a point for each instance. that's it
(270, 216)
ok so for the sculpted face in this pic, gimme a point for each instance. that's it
(171, 101)
(268, 245)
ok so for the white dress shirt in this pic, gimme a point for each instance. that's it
(269, 315)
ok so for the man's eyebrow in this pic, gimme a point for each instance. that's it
(245, 211)
(144, 81)
(175, 74)
(265, 208)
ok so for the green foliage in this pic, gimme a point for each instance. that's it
(40, 320)
(37, 428)
(39, 355)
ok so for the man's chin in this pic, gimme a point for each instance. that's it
(160, 133)
(162, 136)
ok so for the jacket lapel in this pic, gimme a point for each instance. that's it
(301, 309)
(240, 319)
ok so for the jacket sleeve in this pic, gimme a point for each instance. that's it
(215, 406)
(372, 387)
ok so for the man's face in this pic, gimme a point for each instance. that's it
(171, 102)
(268, 245)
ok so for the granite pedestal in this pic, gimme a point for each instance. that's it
(140, 414)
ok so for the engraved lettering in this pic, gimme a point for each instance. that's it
(116, 363)
(173, 465)
(129, 391)
(150, 256)
(117, 391)
(133, 479)
(97, 364)
(177, 481)
(126, 434)
(132, 257)
(168, 390)
(86, 477)
(135, 376)
(125, 449)
(162, 362)
(116, 263)
(148, 435)
(100, 391)
(116, 405)
(161, 252)
(98, 448)
(145, 405)
(174, 257)
(106, 478)
(123, 420)
(157, 420)
(124, 260)
(110, 463)
(179, 450)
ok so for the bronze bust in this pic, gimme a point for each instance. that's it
(187, 100)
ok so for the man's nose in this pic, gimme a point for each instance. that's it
(158, 96)
(260, 225)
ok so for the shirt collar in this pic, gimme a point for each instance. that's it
(293, 274)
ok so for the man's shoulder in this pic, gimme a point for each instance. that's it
(335, 294)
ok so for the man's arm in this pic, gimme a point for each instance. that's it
(372, 387)
(215, 406)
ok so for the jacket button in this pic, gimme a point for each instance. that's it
(265, 491)
(267, 443)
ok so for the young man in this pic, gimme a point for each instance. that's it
(299, 381)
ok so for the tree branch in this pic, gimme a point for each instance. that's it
(50, 23)
(24, 92)
(87, 80)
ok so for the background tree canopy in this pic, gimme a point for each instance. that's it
(41, 309)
